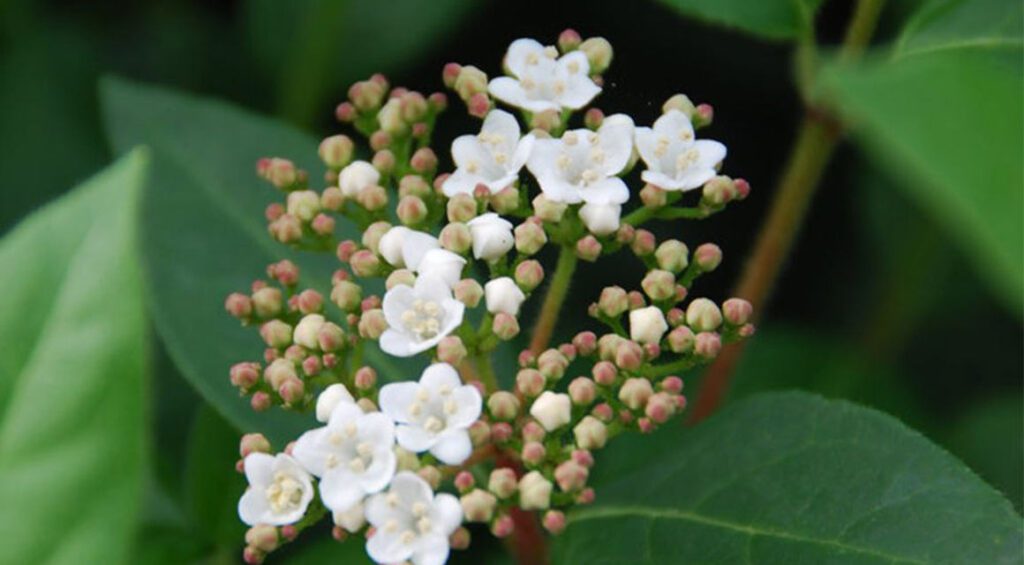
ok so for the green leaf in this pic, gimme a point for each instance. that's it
(212, 488)
(204, 236)
(947, 127)
(959, 24)
(71, 424)
(792, 478)
(771, 19)
(989, 438)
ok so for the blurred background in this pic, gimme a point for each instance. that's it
(878, 303)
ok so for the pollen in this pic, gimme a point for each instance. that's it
(423, 319)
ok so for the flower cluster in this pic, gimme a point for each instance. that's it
(458, 256)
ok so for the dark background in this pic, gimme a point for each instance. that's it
(877, 303)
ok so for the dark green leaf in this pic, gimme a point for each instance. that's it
(959, 24)
(989, 438)
(71, 317)
(204, 235)
(792, 478)
(771, 19)
(212, 488)
(947, 126)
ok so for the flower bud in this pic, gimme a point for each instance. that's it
(707, 345)
(451, 350)
(323, 225)
(505, 326)
(336, 151)
(252, 555)
(291, 391)
(406, 460)
(503, 526)
(607, 345)
(672, 256)
(660, 407)
(309, 301)
(593, 119)
(529, 382)
(679, 102)
(464, 482)
(429, 473)
(703, 315)
(390, 118)
(503, 295)
(506, 200)
(332, 199)
(478, 505)
(479, 105)
(530, 237)
(438, 101)
(365, 263)
(681, 340)
(412, 210)
(529, 274)
(372, 197)
(345, 112)
(629, 355)
(590, 433)
(455, 237)
(569, 40)
(365, 378)
(533, 453)
(552, 364)
(479, 433)
(245, 375)
(330, 337)
(737, 311)
(267, 302)
(635, 392)
(253, 443)
(546, 120)
(601, 219)
(279, 172)
(329, 399)
(238, 305)
(604, 373)
(384, 161)
(276, 334)
(653, 197)
(461, 208)
(719, 191)
(533, 432)
(708, 256)
(366, 95)
(423, 161)
(552, 410)
(548, 210)
(672, 384)
(413, 185)
(400, 277)
(503, 405)
(659, 285)
(492, 236)
(571, 476)
(643, 243)
(470, 81)
(468, 292)
(703, 115)
(647, 325)
(372, 323)
(347, 295)
(260, 401)
(502, 482)
(460, 539)
(262, 537)
(534, 492)
(585, 343)
(582, 391)
(613, 301)
(414, 106)
(450, 74)
(599, 54)
(501, 432)
(742, 188)
(746, 330)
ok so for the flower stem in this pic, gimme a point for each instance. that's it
(816, 141)
(557, 290)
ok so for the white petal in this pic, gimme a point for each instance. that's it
(503, 126)
(461, 182)
(330, 397)
(395, 399)
(522, 153)
(343, 415)
(601, 219)
(444, 264)
(429, 286)
(390, 245)
(608, 191)
(379, 473)
(446, 513)
(453, 447)
(309, 451)
(557, 189)
(253, 507)
(396, 301)
(516, 58)
(645, 143)
(378, 511)
(711, 152)
(385, 547)
(340, 490)
(431, 550)
(695, 178)
(414, 438)
(508, 90)
(440, 376)
(469, 403)
(259, 469)
(470, 155)
(415, 246)
(411, 488)
(396, 343)
(497, 185)
(616, 138)
(661, 180)
(580, 89)
(352, 519)
(376, 428)
(673, 123)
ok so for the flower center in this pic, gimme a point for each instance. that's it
(284, 494)
(686, 159)
(423, 319)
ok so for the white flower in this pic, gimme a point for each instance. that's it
(279, 490)
(541, 81)
(552, 409)
(411, 522)
(492, 158)
(405, 248)
(581, 166)
(434, 414)
(601, 219)
(534, 491)
(357, 176)
(675, 159)
(419, 316)
(503, 295)
(647, 325)
(331, 397)
(492, 236)
(442, 263)
(307, 330)
(352, 519)
(353, 455)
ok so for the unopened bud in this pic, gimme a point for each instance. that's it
(464, 482)
(366, 95)
(413, 185)
(276, 334)
(708, 256)
(679, 102)
(502, 482)
(588, 248)
(552, 410)
(546, 120)
(532, 431)
(635, 392)
(703, 315)
(372, 197)
(384, 161)
(703, 115)
(503, 405)
(653, 197)
(590, 433)
(707, 345)
(501, 432)
(423, 161)
(585, 343)
(629, 355)
(672, 255)
(737, 311)
(456, 237)
(245, 375)
(599, 54)
(260, 401)
(262, 537)
(468, 292)
(533, 453)
(478, 506)
(643, 243)
(529, 274)
(681, 340)
(530, 237)
(582, 391)
(414, 106)
(310, 301)
(336, 151)
(552, 364)
(569, 40)
(469, 82)
(506, 200)
(529, 382)
(719, 191)
(450, 74)
(291, 391)
(365, 263)
(571, 476)
(503, 526)
(593, 119)
(412, 210)
(479, 105)
(365, 378)
(548, 210)
(660, 407)
(604, 373)
(659, 284)
(238, 305)
(330, 337)
(461, 208)
(345, 112)
(451, 350)
(372, 323)
(253, 443)
(347, 295)
(505, 326)
(430, 474)
(613, 301)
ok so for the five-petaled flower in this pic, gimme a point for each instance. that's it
(279, 490)
(543, 81)
(492, 158)
(411, 522)
(675, 159)
(419, 316)
(434, 414)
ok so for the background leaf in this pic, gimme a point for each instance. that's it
(770, 19)
(71, 435)
(790, 478)
(959, 24)
(204, 237)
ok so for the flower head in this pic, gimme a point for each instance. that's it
(492, 158)
(419, 316)
(353, 455)
(675, 159)
(582, 164)
(279, 490)
(492, 236)
(411, 522)
(434, 414)
(542, 81)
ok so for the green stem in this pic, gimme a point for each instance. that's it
(485, 370)
(556, 293)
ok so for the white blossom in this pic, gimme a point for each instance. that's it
(492, 158)
(411, 523)
(405, 248)
(353, 455)
(552, 409)
(647, 325)
(279, 490)
(442, 263)
(357, 176)
(307, 330)
(675, 159)
(492, 236)
(433, 414)
(542, 81)
(582, 164)
(352, 519)
(601, 219)
(419, 316)
(503, 295)
(331, 397)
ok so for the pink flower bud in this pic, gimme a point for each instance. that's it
(569, 40)
(310, 301)
(643, 243)
(501, 432)
(346, 249)
(672, 255)
(613, 301)
(746, 330)
(372, 197)
(469, 82)
(529, 274)
(718, 191)
(532, 431)
(707, 345)
(672, 385)
(737, 311)
(424, 161)
(503, 405)
(479, 433)
(267, 302)
(629, 355)
(585, 343)
(660, 407)
(503, 526)
(464, 481)
(336, 151)
(742, 188)
(675, 317)
(365, 263)
(571, 476)
(413, 105)
(653, 197)
(311, 366)
(530, 237)
(245, 375)
(703, 315)
(552, 364)
(279, 172)
(252, 555)
(583, 457)
(332, 199)
(548, 210)
(703, 116)
(276, 334)
(372, 324)
(554, 521)
(588, 248)
(366, 95)
(533, 453)
(412, 210)
(607, 345)
(461, 208)
(323, 225)
(645, 425)
(603, 412)
(450, 74)
(451, 350)
(253, 443)
(291, 391)
(679, 102)
(582, 391)
(530, 382)
(505, 326)
(347, 295)
(593, 118)
(591, 433)
(262, 537)
(659, 284)
(430, 474)
(286, 229)
(365, 378)
(238, 305)
(438, 101)
(468, 292)
(456, 237)
(604, 373)
(599, 54)
(478, 506)
(260, 401)
(479, 105)
(384, 161)
(708, 256)
(345, 112)
(635, 392)
(400, 277)
(502, 482)
(506, 200)
(681, 340)
(546, 120)
(459, 539)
